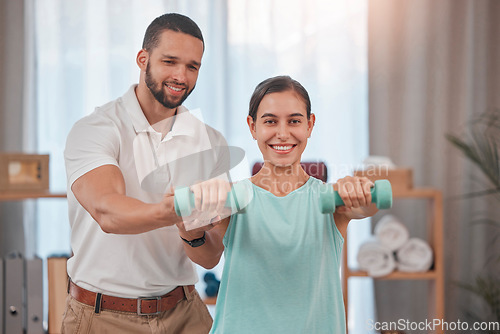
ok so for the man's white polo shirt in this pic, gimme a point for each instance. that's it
(118, 133)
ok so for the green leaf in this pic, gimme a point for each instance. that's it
(482, 146)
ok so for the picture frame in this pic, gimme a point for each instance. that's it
(24, 172)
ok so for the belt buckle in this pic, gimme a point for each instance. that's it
(158, 305)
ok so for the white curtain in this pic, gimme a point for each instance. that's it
(85, 56)
(433, 66)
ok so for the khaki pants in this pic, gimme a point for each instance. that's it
(190, 316)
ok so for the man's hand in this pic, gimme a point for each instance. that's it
(209, 214)
(198, 232)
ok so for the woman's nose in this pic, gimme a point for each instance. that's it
(282, 132)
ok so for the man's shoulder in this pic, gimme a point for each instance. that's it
(193, 119)
(101, 116)
(110, 112)
(105, 122)
(215, 135)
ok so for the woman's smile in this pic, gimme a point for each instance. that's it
(282, 148)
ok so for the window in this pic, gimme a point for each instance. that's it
(85, 56)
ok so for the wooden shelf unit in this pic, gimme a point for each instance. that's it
(434, 230)
(22, 195)
(210, 300)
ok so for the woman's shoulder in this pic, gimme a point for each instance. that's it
(314, 181)
(313, 184)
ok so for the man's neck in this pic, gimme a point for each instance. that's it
(165, 126)
(159, 117)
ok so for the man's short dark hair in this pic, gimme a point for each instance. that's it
(171, 21)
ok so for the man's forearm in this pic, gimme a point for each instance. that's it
(207, 255)
(120, 214)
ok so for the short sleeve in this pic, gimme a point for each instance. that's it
(92, 142)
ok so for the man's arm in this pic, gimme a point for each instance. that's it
(102, 193)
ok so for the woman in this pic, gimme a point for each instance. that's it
(283, 256)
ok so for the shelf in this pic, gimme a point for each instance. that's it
(22, 195)
(434, 229)
(210, 300)
(396, 275)
(416, 193)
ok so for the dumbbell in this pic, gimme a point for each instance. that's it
(212, 284)
(237, 199)
(381, 196)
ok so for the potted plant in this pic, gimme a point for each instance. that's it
(481, 145)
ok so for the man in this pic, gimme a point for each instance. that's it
(130, 272)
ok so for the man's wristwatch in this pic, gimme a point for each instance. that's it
(195, 242)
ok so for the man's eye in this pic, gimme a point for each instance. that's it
(295, 121)
(269, 121)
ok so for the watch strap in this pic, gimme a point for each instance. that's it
(195, 242)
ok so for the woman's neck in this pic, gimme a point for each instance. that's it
(280, 181)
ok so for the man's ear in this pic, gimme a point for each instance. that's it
(142, 59)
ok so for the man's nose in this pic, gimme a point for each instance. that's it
(179, 74)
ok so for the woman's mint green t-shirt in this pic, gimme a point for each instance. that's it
(282, 267)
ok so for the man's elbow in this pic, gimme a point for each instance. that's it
(108, 228)
(208, 265)
(106, 224)
(105, 227)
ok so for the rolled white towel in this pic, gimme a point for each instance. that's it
(415, 256)
(375, 258)
(391, 232)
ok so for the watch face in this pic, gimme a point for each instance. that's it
(197, 242)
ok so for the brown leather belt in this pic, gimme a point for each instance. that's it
(140, 306)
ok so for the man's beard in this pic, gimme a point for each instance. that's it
(159, 94)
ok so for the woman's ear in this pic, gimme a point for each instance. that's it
(251, 126)
(310, 124)
(142, 59)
